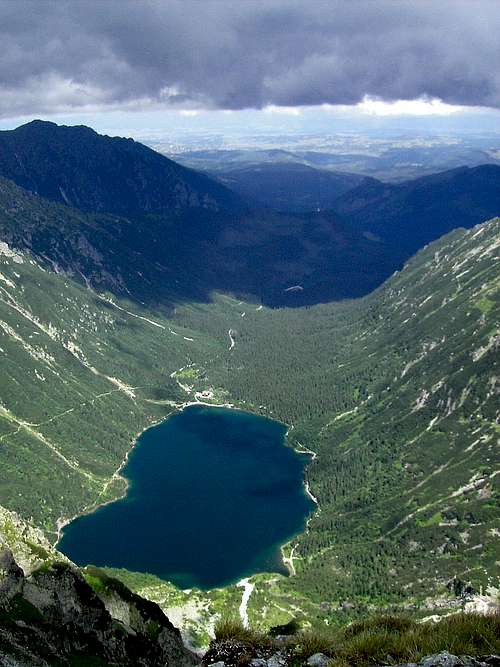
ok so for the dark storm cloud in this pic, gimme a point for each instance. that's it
(64, 54)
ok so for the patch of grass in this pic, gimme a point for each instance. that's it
(377, 640)
(230, 629)
(404, 640)
(102, 583)
(310, 642)
(39, 551)
(189, 373)
(153, 629)
(96, 583)
(386, 622)
(237, 645)
(434, 520)
(20, 609)
(485, 305)
(52, 567)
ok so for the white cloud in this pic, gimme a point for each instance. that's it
(189, 113)
(419, 107)
(285, 111)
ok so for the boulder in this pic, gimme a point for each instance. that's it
(276, 660)
(318, 660)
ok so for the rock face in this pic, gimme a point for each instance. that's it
(11, 577)
(55, 617)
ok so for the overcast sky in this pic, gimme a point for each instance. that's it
(82, 57)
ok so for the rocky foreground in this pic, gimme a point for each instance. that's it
(54, 614)
(281, 659)
(54, 617)
(57, 616)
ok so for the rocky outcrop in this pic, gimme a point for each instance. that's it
(28, 545)
(54, 616)
(446, 659)
(11, 577)
(239, 656)
(235, 653)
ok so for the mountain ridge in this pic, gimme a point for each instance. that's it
(75, 165)
(416, 212)
(150, 233)
(253, 255)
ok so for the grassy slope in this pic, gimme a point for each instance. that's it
(80, 378)
(405, 480)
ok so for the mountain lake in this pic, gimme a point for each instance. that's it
(213, 494)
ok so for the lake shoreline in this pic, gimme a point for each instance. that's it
(288, 560)
(284, 562)
(62, 521)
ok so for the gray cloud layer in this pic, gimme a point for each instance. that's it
(64, 54)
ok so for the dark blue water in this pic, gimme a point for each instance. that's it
(213, 494)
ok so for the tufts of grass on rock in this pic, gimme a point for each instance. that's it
(379, 640)
(397, 639)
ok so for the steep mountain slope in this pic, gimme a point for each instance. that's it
(78, 167)
(166, 260)
(80, 378)
(410, 214)
(150, 263)
(397, 395)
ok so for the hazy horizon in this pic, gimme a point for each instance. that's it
(148, 70)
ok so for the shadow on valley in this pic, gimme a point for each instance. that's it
(114, 214)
